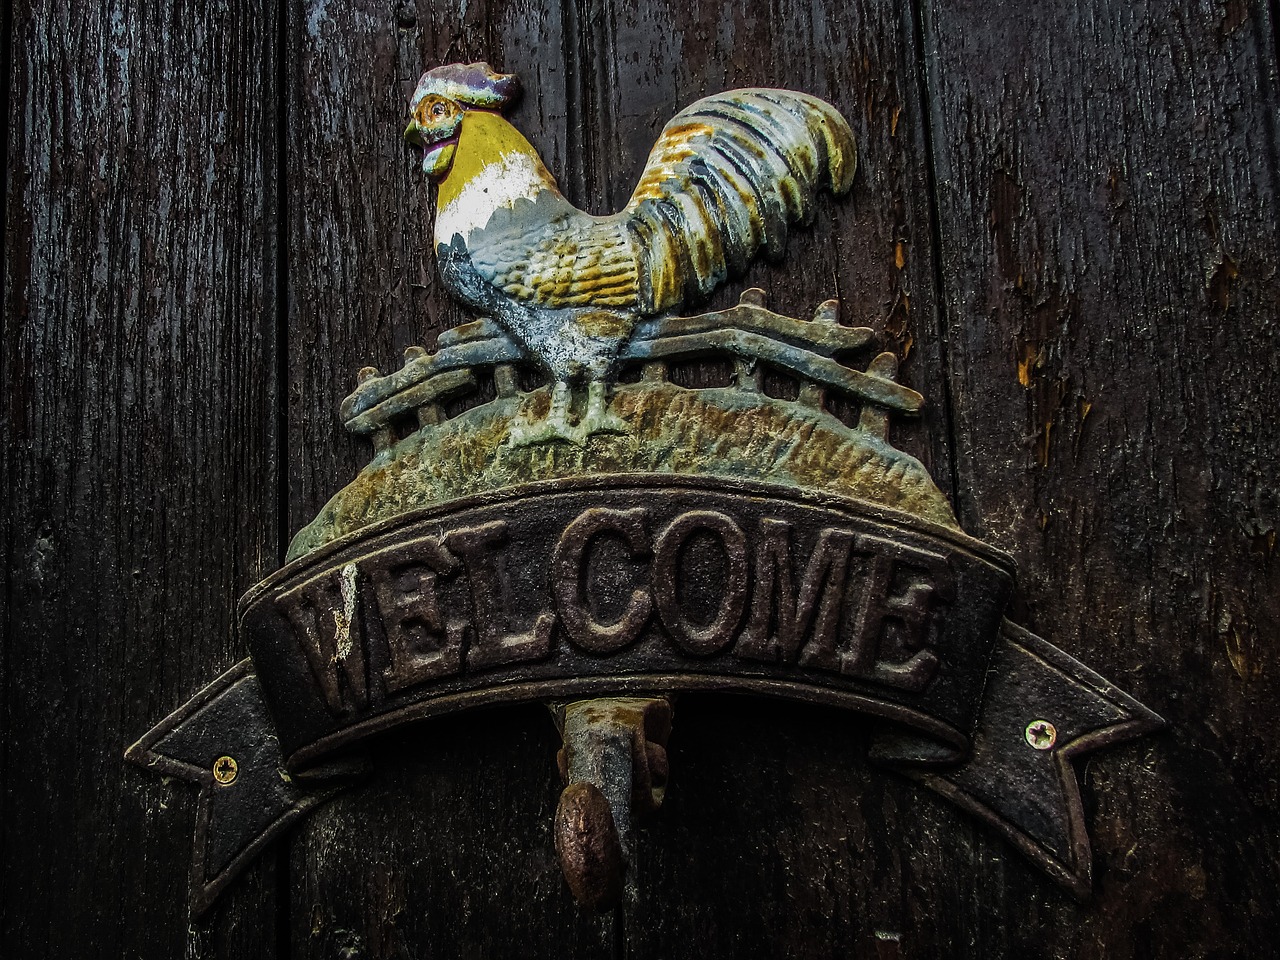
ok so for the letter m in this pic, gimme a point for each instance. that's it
(780, 619)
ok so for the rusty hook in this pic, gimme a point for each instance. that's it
(614, 762)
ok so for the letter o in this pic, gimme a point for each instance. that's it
(720, 632)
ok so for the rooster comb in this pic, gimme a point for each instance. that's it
(475, 84)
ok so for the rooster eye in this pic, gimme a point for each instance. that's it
(438, 110)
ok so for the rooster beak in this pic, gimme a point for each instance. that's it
(413, 134)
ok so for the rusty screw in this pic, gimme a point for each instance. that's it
(225, 770)
(1042, 734)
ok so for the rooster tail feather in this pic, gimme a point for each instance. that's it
(727, 177)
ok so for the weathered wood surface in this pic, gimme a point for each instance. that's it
(141, 453)
(468, 863)
(1107, 179)
(1065, 223)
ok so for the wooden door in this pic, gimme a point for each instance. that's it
(1064, 224)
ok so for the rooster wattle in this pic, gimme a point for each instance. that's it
(728, 175)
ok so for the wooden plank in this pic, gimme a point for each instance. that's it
(140, 460)
(778, 838)
(1107, 176)
(448, 849)
(852, 866)
(872, 249)
(363, 281)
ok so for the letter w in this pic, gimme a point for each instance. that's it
(328, 630)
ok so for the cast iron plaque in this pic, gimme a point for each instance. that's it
(607, 539)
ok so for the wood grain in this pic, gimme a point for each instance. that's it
(1107, 178)
(140, 454)
(778, 837)
(363, 283)
(872, 249)
(451, 843)
(1064, 223)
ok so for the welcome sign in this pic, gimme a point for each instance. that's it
(586, 533)
(614, 585)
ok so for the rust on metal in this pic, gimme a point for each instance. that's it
(614, 762)
(588, 846)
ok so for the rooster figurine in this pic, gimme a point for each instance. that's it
(727, 177)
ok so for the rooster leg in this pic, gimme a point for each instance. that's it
(597, 418)
(554, 429)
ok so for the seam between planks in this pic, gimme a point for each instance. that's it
(278, 141)
(1271, 58)
(916, 30)
(275, 138)
(6, 543)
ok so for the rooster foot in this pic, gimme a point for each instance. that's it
(549, 431)
(554, 429)
(597, 418)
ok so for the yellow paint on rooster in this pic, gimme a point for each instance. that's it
(493, 167)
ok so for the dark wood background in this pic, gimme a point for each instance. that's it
(1065, 223)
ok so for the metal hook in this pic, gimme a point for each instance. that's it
(614, 762)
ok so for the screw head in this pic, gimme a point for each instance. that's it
(225, 770)
(1041, 734)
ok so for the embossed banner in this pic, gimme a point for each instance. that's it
(581, 587)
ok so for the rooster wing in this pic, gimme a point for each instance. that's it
(546, 253)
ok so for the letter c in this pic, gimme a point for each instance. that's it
(568, 579)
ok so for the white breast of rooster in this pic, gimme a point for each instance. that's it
(496, 185)
(494, 168)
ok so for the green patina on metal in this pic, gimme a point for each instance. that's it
(569, 298)
(721, 432)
